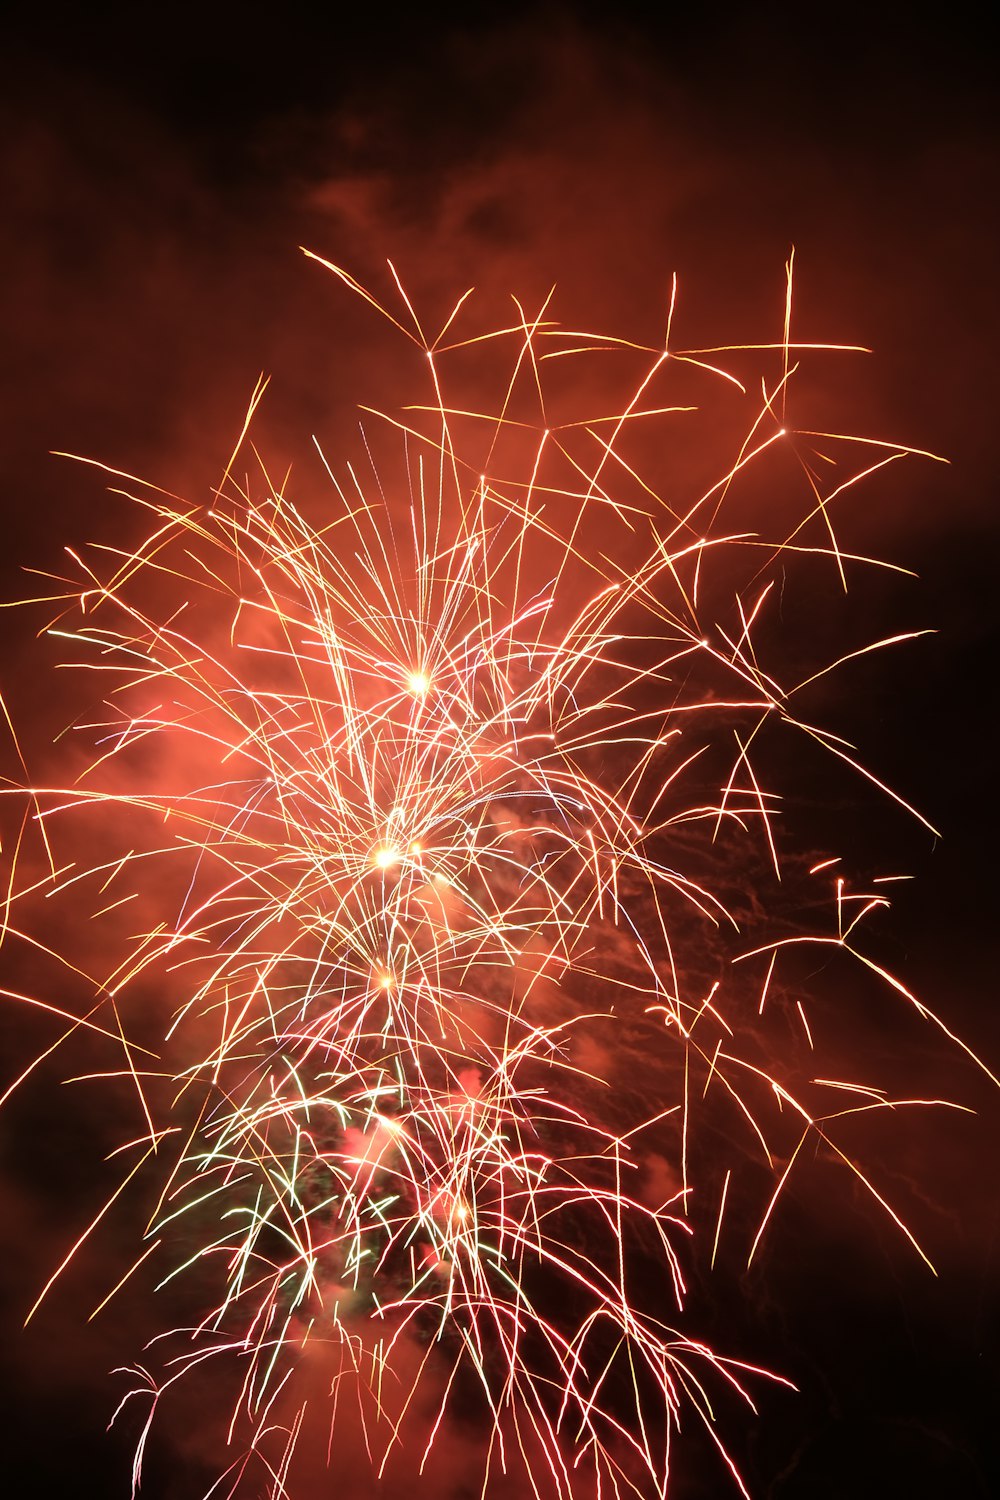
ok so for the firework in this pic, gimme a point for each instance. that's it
(418, 803)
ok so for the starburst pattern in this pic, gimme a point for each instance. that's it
(412, 791)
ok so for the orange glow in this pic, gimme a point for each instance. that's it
(412, 1087)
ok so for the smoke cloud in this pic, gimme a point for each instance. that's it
(151, 270)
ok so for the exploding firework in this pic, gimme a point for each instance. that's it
(429, 807)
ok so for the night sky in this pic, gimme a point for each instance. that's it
(161, 167)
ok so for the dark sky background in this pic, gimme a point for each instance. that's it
(160, 167)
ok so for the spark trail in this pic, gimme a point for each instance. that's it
(406, 799)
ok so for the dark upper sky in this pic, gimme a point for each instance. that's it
(851, 74)
(160, 168)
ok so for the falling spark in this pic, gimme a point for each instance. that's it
(415, 795)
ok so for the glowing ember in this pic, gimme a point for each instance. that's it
(409, 919)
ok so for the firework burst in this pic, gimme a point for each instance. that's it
(413, 794)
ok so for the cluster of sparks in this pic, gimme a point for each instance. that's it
(409, 786)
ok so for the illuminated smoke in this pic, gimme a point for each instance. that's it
(407, 801)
